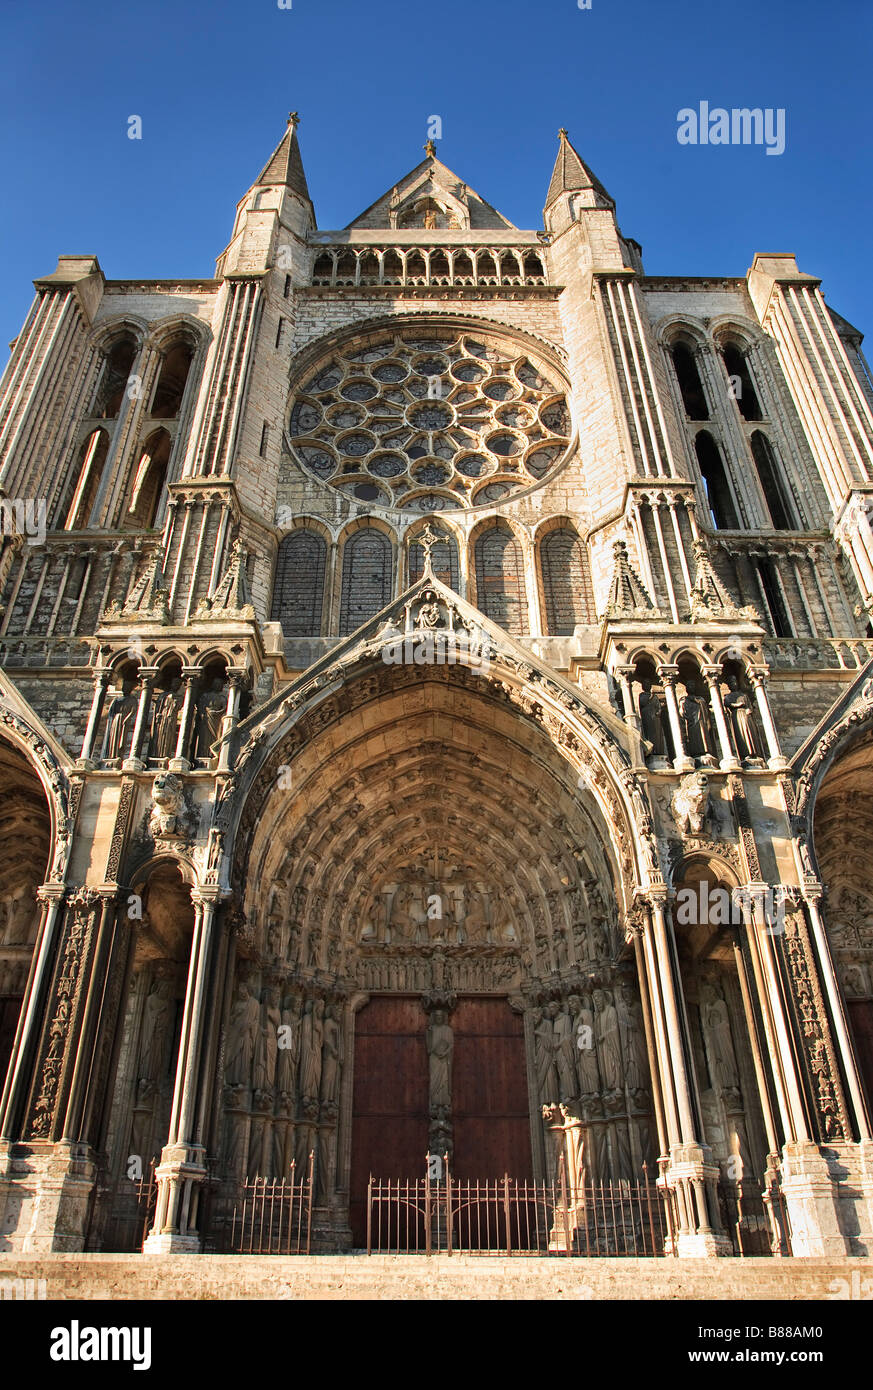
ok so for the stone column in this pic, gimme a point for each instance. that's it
(236, 677)
(181, 762)
(19, 1073)
(86, 1045)
(832, 992)
(47, 1177)
(681, 762)
(691, 1171)
(779, 1240)
(775, 760)
(101, 681)
(728, 762)
(147, 676)
(182, 1170)
(624, 675)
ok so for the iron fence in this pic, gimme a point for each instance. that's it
(753, 1229)
(514, 1216)
(131, 1213)
(264, 1216)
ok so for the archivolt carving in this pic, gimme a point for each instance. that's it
(56, 787)
(821, 755)
(810, 1012)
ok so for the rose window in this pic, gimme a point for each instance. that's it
(429, 420)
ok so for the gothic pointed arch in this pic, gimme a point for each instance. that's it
(299, 584)
(501, 591)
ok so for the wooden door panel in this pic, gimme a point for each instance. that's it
(861, 1018)
(10, 1008)
(489, 1091)
(389, 1105)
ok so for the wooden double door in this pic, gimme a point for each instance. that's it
(490, 1110)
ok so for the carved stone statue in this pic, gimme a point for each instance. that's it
(691, 804)
(408, 920)
(20, 911)
(544, 1043)
(440, 1048)
(574, 1147)
(743, 721)
(651, 708)
(210, 713)
(119, 723)
(242, 1036)
(155, 1029)
(584, 1049)
(289, 1047)
(332, 1053)
(311, 1049)
(717, 1039)
(166, 714)
(608, 1043)
(475, 924)
(697, 726)
(564, 1059)
(267, 1046)
(633, 1036)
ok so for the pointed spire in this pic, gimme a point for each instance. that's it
(627, 596)
(232, 598)
(285, 165)
(571, 175)
(148, 600)
(709, 597)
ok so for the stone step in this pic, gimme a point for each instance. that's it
(419, 1277)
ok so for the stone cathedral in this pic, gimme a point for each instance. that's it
(435, 688)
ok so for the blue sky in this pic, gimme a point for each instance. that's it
(213, 83)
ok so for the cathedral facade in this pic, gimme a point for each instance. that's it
(435, 689)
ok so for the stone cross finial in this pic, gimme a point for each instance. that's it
(427, 539)
(430, 148)
(293, 118)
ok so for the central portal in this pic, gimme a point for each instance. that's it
(437, 1075)
(433, 950)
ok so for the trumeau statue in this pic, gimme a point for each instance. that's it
(440, 1048)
